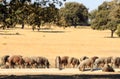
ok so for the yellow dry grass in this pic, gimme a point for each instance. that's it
(58, 42)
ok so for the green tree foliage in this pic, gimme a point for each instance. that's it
(13, 12)
(73, 14)
(2, 10)
(41, 15)
(92, 14)
(106, 17)
(24, 12)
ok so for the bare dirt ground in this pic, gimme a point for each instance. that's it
(54, 71)
(58, 42)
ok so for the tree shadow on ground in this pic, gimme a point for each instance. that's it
(46, 29)
(110, 37)
(10, 34)
(51, 31)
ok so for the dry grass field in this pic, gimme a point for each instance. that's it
(58, 42)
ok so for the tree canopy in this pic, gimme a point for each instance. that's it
(73, 14)
(106, 17)
(25, 12)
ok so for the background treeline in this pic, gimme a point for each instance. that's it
(40, 12)
(25, 12)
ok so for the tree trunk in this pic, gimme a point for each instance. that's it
(3, 27)
(38, 26)
(112, 32)
(23, 25)
(33, 28)
(75, 26)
